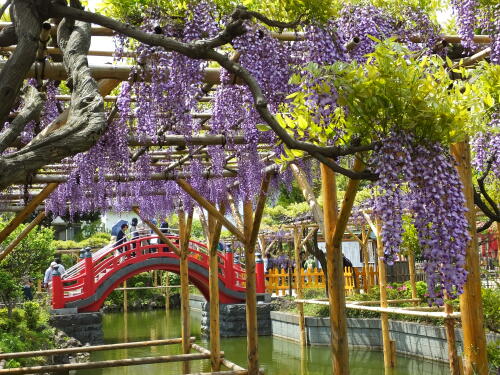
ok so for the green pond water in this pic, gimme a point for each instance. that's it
(277, 356)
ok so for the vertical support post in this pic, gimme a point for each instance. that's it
(366, 257)
(185, 232)
(449, 325)
(57, 290)
(297, 237)
(251, 297)
(125, 297)
(471, 305)
(340, 352)
(389, 360)
(89, 283)
(411, 267)
(214, 228)
(229, 268)
(260, 274)
(167, 292)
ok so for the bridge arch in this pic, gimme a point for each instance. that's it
(91, 281)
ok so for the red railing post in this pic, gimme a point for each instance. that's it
(88, 282)
(57, 290)
(229, 268)
(259, 274)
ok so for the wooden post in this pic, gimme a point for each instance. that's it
(125, 297)
(333, 236)
(471, 305)
(449, 325)
(308, 194)
(235, 211)
(411, 267)
(160, 234)
(251, 225)
(185, 233)
(167, 292)
(300, 306)
(365, 236)
(30, 207)
(251, 296)
(211, 209)
(22, 235)
(340, 358)
(214, 229)
(389, 360)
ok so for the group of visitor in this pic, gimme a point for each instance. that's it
(138, 231)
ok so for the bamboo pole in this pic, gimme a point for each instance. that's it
(94, 348)
(235, 211)
(158, 232)
(125, 297)
(336, 275)
(365, 236)
(167, 292)
(22, 235)
(471, 305)
(214, 227)
(389, 360)
(411, 267)
(106, 364)
(210, 208)
(296, 241)
(308, 194)
(340, 363)
(30, 207)
(185, 231)
(251, 296)
(449, 325)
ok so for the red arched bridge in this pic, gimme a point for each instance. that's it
(86, 285)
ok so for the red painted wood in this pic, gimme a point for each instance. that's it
(93, 272)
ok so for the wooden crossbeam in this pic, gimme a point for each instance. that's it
(30, 207)
(22, 235)
(210, 208)
(160, 234)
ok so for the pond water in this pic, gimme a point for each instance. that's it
(277, 356)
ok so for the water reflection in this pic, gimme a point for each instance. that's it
(277, 356)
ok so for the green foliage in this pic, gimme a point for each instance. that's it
(279, 213)
(25, 330)
(33, 254)
(98, 239)
(395, 90)
(10, 290)
(491, 308)
(493, 350)
(410, 243)
(32, 314)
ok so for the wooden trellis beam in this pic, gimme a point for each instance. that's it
(158, 231)
(30, 207)
(210, 208)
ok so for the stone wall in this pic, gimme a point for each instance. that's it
(413, 339)
(85, 327)
(233, 319)
(196, 302)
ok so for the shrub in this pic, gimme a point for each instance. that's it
(491, 308)
(32, 314)
(494, 354)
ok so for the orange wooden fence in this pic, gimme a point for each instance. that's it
(278, 281)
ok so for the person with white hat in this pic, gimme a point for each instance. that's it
(48, 274)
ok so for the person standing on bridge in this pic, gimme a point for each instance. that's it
(122, 237)
(48, 275)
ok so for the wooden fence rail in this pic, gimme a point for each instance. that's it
(278, 281)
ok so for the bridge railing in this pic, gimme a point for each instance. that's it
(91, 272)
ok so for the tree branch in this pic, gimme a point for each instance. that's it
(31, 111)
(27, 28)
(86, 118)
